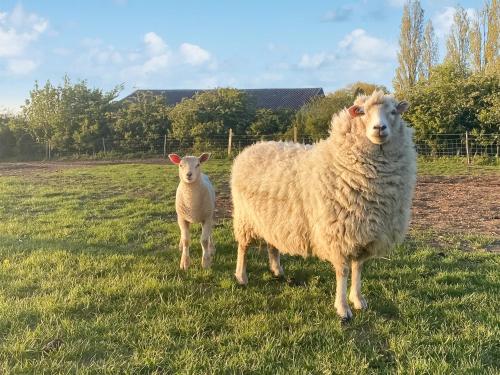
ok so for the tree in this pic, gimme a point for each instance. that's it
(141, 123)
(43, 111)
(211, 114)
(410, 45)
(269, 121)
(429, 51)
(492, 40)
(457, 45)
(7, 139)
(313, 119)
(476, 44)
(451, 103)
(69, 117)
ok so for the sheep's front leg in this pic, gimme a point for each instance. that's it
(184, 244)
(206, 244)
(274, 261)
(355, 296)
(341, 273)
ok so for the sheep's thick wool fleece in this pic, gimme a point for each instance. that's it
(344, 196)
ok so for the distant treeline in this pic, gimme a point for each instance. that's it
(462, 93)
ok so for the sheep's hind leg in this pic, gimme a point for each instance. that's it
(184, 244)
(355, 296)
(206, 233)
(241, 264)
(341, 273)
(274, 262)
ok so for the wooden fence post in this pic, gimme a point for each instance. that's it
(229, 142)
(295, 133)
(467, 146)
(103, 145)
(165, 146)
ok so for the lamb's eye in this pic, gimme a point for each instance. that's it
(393, 112)
(197, 165)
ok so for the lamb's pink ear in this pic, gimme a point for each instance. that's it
(204, 157)
(355, 111)
(174, 158)
(402, 106)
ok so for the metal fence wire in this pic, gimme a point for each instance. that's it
(434, 145)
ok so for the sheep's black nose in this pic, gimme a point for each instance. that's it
(378, 127)
(189, 174)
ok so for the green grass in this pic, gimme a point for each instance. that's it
(457, 166)
(89, 259)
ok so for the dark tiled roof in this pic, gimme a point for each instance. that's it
(264, 98)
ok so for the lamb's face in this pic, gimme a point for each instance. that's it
(381, 119)
(189, 166)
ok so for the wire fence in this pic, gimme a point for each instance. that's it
(227, 146)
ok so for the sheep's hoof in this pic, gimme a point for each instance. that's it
(359, 303)
(206, 262)
(278, 273)
(241, 279)
(344, 312)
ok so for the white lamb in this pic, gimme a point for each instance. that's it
(194, 203)
(344, 200)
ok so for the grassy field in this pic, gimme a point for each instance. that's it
(90, 283)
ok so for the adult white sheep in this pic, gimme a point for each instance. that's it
(344, 200)
(194, 203)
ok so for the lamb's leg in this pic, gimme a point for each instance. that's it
(184, 243)
(355, 295)
(342, 272)
(206, 233)
(274, 261)
(241, 264)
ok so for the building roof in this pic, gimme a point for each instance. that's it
(264, 98)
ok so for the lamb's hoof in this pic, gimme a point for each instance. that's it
(185, 263)
(359, 303)
(241, 279)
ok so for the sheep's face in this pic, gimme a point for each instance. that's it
(189, 166)
(381, 119)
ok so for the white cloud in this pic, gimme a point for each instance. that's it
(315, 61)
(193, 54)
(155, 44)
(155, 64)
(366, 47)
(18, 30)
(21, 66)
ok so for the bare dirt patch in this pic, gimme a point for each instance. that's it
(458, 204)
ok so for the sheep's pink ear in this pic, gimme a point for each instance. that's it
(204, 157)
(174, 158)
(355, 111)
(402, 107)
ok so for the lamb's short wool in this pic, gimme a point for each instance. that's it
(194, 203)
(343, 200)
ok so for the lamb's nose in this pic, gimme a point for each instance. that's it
(189, 174)
(379, 128)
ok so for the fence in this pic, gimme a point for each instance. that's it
(434, 145)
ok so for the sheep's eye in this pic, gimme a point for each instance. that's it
(394, 112)
(197, 165)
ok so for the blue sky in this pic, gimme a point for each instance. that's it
(203, 44)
